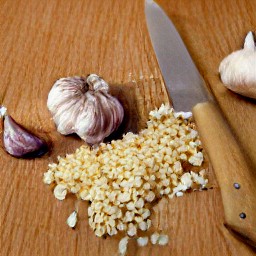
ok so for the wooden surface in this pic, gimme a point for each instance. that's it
(41, 41)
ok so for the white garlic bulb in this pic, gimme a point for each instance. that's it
(83, 106)
(238, 70)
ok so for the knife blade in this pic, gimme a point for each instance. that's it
(188, 92)
(183, 81)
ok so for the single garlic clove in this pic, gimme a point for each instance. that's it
(238, 70)
(19, 142)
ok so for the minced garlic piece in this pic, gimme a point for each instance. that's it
(160, 239)
(123, 245)
(142, 241)
(163, 239)
(179, 194)
(72, 219)
(60, 191)
(123, 177)
(48, 177)
(154, 238)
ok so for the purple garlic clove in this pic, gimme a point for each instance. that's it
(19, 142)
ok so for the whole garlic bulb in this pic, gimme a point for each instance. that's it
(238, 70)
(83, 106)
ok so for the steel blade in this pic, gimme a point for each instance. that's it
(182, 78)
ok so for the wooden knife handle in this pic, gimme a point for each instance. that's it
(236, 179)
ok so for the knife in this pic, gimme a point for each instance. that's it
(188, 92)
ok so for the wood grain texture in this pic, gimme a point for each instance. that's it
(41, 41)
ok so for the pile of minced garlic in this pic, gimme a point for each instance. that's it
(121, 179)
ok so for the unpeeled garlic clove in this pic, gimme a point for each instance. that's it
(238, 70)
(19, 142)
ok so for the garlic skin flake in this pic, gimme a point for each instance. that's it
(84, 106)
(238, 70)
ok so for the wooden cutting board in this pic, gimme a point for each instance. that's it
(41, 41)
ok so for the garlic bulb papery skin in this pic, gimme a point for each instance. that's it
(238, 70)
(84, 106)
